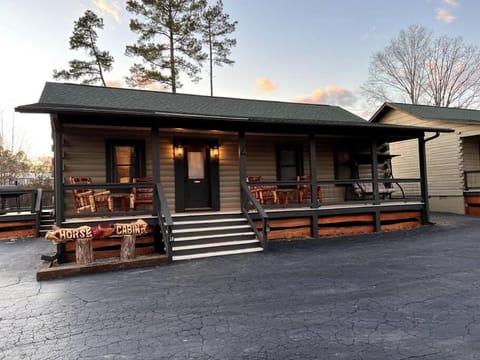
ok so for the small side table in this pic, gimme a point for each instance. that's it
(286, 195)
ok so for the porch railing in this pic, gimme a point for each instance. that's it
(37, 209)
(471, 179)
(250, 204)
(164, 219)
(348, 191)
(120, 193)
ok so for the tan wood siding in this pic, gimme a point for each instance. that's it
(326, 171)
(261, 159)
(471, 152)
(229, 173)
(84, 152)
(444, 156)
(167, 172)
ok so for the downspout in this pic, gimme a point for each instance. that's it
(437, 134)
(424, 182)
(423, 176)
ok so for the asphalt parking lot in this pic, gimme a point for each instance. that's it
(401, 295)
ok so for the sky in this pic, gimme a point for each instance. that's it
(315, 51)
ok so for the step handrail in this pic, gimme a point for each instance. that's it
(248, 198)
(164, 219)
(37, 210)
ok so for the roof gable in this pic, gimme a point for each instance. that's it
(427, 112)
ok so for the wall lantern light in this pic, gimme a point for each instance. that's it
(214, 152)
(178, 151)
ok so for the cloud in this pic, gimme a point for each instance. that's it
(115, 83)
(154, 86)
(444, 15)
(110, 7)
(331, 95)
(266, 85)
(451, 3)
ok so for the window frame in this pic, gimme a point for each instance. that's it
(139, 166)
(299, 159)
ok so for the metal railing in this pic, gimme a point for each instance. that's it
(37, 209)
(164, 219)
(338, 192)
(250, 204)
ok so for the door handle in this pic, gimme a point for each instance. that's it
(196, 181)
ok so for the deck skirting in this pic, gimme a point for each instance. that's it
(301, 224)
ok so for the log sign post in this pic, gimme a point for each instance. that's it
(84, 235)
(129, 233)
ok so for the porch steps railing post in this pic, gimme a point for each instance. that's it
(248, 198)
(165, 221)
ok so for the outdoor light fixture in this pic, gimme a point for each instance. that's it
(214, 152)
(178, 151)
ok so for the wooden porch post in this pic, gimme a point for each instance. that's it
(313, 170)
(158, 241)
(242, 153)
(423, 179)
(376, 196)
(155, 155)
(58, 181)
(313, 184)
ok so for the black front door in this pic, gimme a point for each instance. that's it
(196, 178)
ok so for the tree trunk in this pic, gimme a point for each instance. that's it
(84, 251)
(127, 249)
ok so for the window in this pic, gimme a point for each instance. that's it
(196, 165)
(125, 160)
(343, 164)
(289, 162)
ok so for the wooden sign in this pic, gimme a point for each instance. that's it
(61, 235)
(138, 227)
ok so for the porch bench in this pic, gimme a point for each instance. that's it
(362, 189)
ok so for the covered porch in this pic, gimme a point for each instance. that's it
(194, 156)
(292, 213)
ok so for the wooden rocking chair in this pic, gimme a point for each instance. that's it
(89, 199)
(263, 193)
(305, 190)
(141, 195)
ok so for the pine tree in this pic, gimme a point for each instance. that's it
(85, 37)
(166, 41)
(215, 29)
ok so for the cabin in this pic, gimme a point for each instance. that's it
(453, 160)
(215, 176)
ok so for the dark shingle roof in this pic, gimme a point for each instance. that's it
(431, 112)
(58, 97)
